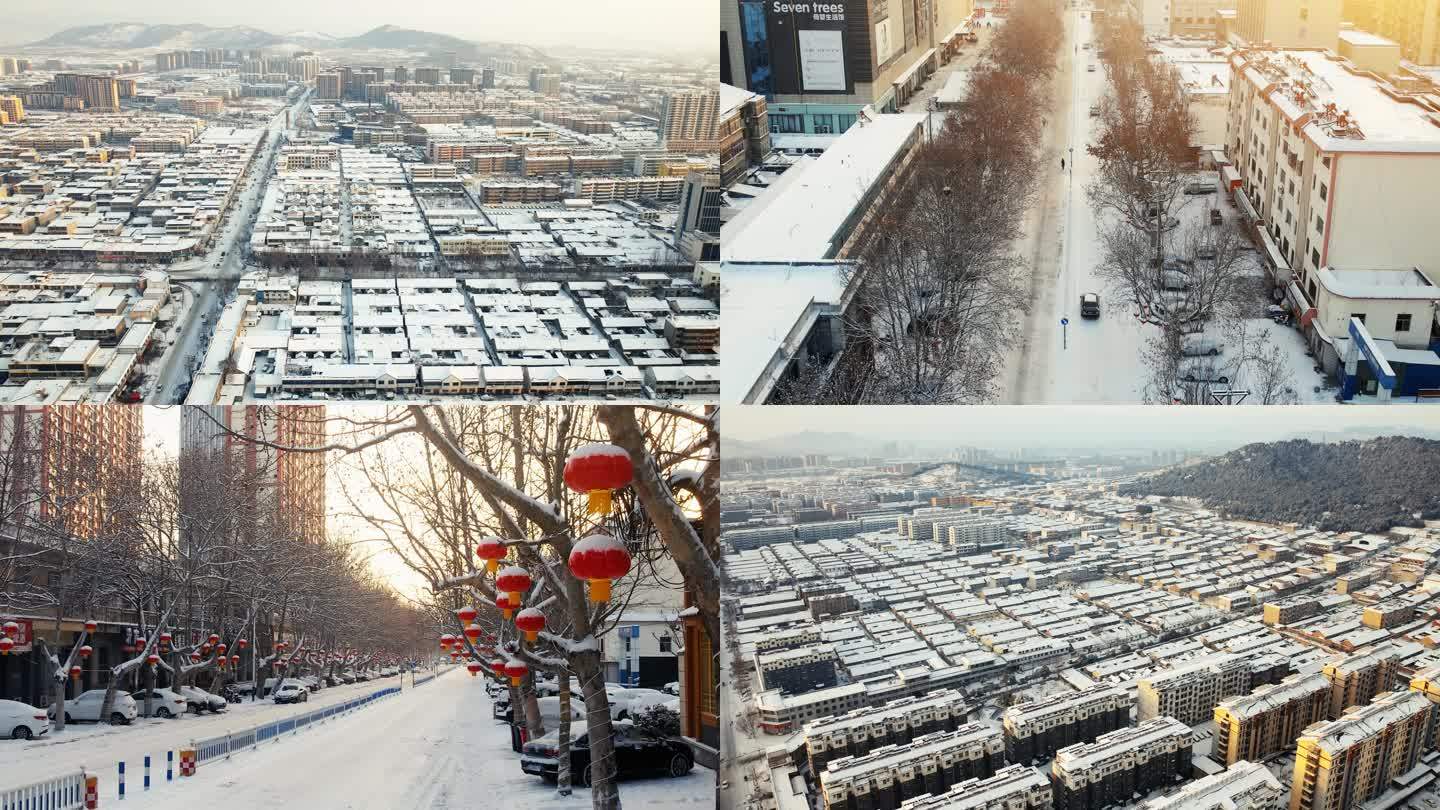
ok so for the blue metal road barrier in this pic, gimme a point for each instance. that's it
(58, 793)
(147, 771)
(122, 780)
(169, 765)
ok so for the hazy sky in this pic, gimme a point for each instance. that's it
(1036, 424)
(661, 24)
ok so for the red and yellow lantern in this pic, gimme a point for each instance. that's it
(152, 659)
(75, 673)
(85, 651)
(472, 632)
(91, 626)
(446, 640)
(242, 644)
(599, 559)
(235, 660)
(513, 580)
(165, 640)
(195, 657)
(531, 621)
(214, 639)
(11, 629)
(597, 470)
(516, 670)
(492, 551)
(467, 614)
(474, 668)
(221, 649)
(6, 645)
(503, 604)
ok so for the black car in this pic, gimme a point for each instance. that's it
(637, 753)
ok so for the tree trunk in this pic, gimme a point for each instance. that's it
(149, 690)
(55, 685)
(604, 792)
(534, 724)
(562, 735)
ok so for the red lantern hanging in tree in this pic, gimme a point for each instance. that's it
(152, 659)
(600, 559)
(204, 649)
(91, 626)
(472, 632)
(597, 469)
(280, 664)
(242, 644)
(531, 621)
(6, 645)
(280, 645)
(214, 639)
(235, 660)
(11, 628)
(454, 656)
(195, 657)
(75, 673)
(85, 651)
(516, 670)
(446, 640)
(503, 604)
(139, 643)
(466, 614)
(221, 649)
(513, 580)
(474, 668)
(492, 551)
(165, 640)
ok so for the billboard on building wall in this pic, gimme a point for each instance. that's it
(885, 44)
(822, 61)
(814, 47)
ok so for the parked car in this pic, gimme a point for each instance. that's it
(628, 700)
(1202, 187)
(163, 702)
(1089, 305)
(311, 682)
(1201, 371)
(673, 688)
(637, 753)
(88, 704)
(292, 692)
(1094, 110)
(21, 721)
(1199, 345)
(199, 700)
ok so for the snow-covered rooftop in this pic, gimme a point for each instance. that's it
(1365, 39)
(731, 97)
(1405, 282)
(1384, 123)
(805, 213)
(761, 304)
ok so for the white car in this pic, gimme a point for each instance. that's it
(292, 692)
(626, 701)
(200, 700)
(87, 707)
(1197, 345)
(21, 721)
(672, 688)
(163, 702)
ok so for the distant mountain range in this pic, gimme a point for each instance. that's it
(125, 36)
(1370, 485)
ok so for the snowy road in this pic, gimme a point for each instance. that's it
(435, 748)
(99, 747)
(1086, 361)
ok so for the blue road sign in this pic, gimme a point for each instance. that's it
(1064, 321)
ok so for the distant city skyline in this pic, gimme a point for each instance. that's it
(620, 24)
(1072, 426)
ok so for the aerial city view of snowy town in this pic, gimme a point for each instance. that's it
(986, 609)
(1057, 201)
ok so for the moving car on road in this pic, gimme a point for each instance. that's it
(87, 707)
(637, 753)
(1090, 305)
(21, 721)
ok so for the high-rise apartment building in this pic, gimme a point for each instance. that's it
(697, 228)
(98, 92)
(1358, 677)
(742, 134)
(1270, 718)
(329, 86)
(71, 468)
(1120, 764)
(13, 108)
(1190, 691)
(1036, 729)
(1343, 763)
(1288, 23)
(1242, 786)
(487, 78)
(247, 441)
(858, 732)
(1013, 788)
(929, 764)
(688, 120)
(1413, 24)
(427, 75)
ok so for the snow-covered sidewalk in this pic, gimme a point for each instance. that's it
(436, 747)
